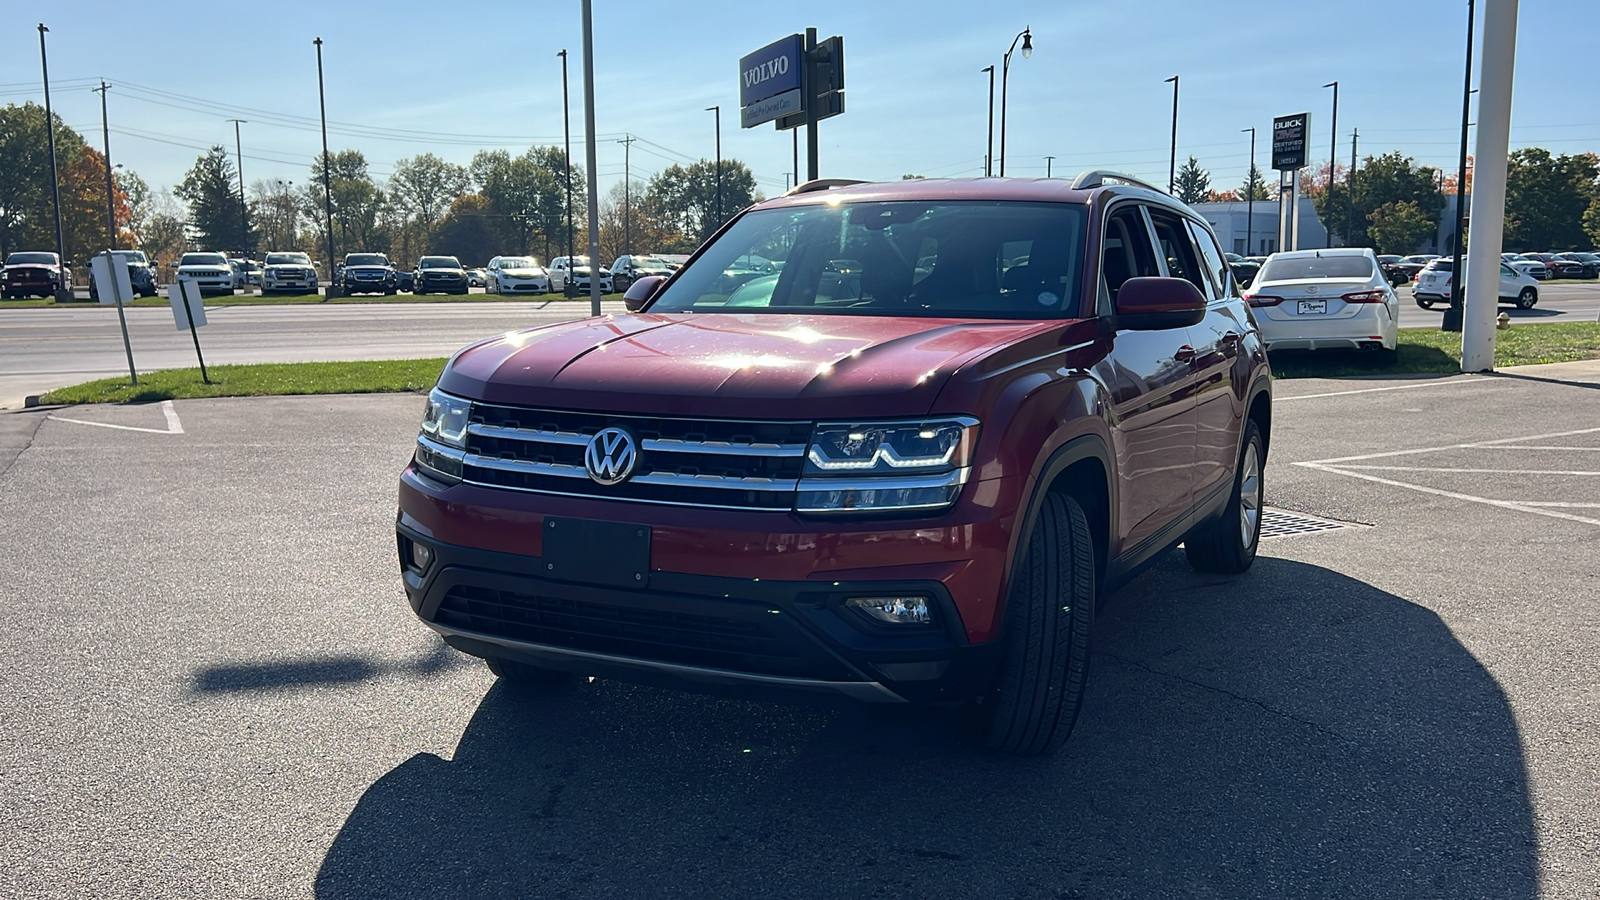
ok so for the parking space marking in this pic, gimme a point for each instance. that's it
(174, 426)
(1351, 467)
(1397, 387)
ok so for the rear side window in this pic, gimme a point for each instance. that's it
(1178, 249)
(1221, 276)
(1125, 253)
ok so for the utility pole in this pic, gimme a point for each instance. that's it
(1333, 156)
(1172, 165)
(1049, 162)
(111, 233)
(55, 180)
(1250, 195)
(718, 111)
(988, 157)
(1453, 315)
(627, 193)
(567, 286)
(244, 216)
(327, 167)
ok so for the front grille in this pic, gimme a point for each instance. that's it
(617, 629)
(703, 462)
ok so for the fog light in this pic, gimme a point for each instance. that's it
(421, 556)
(894, 610)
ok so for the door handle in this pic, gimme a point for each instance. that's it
(1230, 342)
(1184, 354)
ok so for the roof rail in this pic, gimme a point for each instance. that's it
(821, 184)
(1093, 178)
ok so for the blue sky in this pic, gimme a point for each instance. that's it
(1092, 95)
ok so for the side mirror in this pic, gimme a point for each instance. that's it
(173, 264)
(1154, 304)
(640, 292)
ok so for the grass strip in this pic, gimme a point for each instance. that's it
(264, 380)
(1439, 352)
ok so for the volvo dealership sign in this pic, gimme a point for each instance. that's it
(770, 81)
(1289, 141)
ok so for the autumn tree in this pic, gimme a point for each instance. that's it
(27, 199)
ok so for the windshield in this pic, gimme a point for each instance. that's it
(23, 259)
(203, 259)
(518, 262)
(914, 258)
(1292, 268)
(134, 257)
(288, 259)
(439, 262)
(366, 259)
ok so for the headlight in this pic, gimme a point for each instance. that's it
(886, 466)
(442, 443)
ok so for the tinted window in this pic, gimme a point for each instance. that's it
(366, 259)
(1125, 253)
(203, 259)
(1178, 249)
(288, 259)
(20, 259)
(941, 258)
(1290, 268)
(439, 262)
(1221, 276)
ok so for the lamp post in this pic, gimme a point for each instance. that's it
(568, 286)
(988, 156)
(1250, 194)
(1049, 162)
(1172, 165)
(1453, 315)
(589, 157)
(1026, 37)
(327, 167)
(244, 215)
(718, 111)
(55, 181)
(1333, 153)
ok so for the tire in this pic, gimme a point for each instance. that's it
(1425, 304)
(1228, 543)
(1527, 298)
(522, 674)
(1039, 689)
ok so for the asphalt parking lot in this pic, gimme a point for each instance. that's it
(215, 689)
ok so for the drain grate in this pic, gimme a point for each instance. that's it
(1283, 523)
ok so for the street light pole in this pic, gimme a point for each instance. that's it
(718, 111)
(1453, 315)
(327, 167)
(1250, 194)
(567, 286)
(55, 179)
(244, 215)
(1172, 165)
(1350, 208)
(627, 193)
(988, 157)
(1049, 162)
(590, 152)
(1333, 155)
(1026, 37)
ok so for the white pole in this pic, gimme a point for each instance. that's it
(594, 189)
(1489, 185)
(1294, 210)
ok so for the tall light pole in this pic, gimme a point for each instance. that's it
(718, 111)
(1250, 194)
(327, 167)
(590, 152)
(567, 286)
(988, 156)
(244, 216)
(1333, 154)
(1172, 165)
(1049, 162)
(1026, 37)
(55, 179)
(627, 193)
(1452, 316)
(1350, 208)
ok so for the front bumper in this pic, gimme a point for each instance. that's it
(456, 285)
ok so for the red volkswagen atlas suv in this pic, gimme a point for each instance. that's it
(885, 441)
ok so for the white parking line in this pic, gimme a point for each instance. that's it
(1454, 469)
(174, 426)
(1397, 387)
(1494, 444)
(1455, 495)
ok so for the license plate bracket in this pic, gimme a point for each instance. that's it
(614, 554)
(1313, 307)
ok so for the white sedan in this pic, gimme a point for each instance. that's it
(1334, 299)
(517, 275)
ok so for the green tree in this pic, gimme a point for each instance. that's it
(27, 199)
(357, 205)
(1546, 199)
(424, 186)
(1591, 222)
(1379, 181)
(1399, 227)
(1193, 182)
(1255, 186)
(527, 197)
(210, 190)
(686, 197)
(467, 231)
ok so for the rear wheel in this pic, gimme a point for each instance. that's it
(1036, 697)
(1425, 304)
(1527, 298)
(1228, 543)
(523, 674)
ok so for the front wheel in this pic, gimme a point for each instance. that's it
(1228, 543)
(1527, 298)
(1038, 692)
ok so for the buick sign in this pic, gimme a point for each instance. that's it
(772, 70)
(1289, 141)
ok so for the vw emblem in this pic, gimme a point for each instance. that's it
(610, 456)
(1312, 289)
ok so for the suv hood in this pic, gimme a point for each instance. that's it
(369, 268)
(719, 364)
